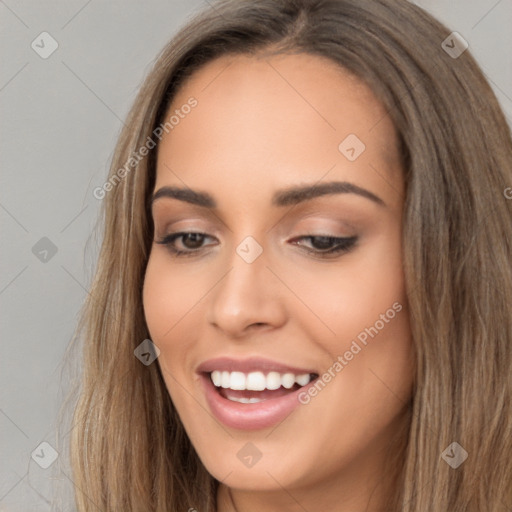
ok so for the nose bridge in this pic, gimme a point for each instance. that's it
(247, 293)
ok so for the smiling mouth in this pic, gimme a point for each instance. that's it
(255, 387)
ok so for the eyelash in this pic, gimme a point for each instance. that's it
(342, 244)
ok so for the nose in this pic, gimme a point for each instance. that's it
(248, 298)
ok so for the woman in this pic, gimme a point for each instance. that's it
(302, 300)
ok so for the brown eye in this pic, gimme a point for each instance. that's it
(191, 243)
(192, 240)
(321, 245)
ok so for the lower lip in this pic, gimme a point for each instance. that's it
(250, 416)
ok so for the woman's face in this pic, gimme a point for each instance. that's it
(287, 173)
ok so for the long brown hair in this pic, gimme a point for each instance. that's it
(129, 450)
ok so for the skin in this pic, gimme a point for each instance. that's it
(263, 124)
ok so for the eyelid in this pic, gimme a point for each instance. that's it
(185, 224)
(318, 222)
(339, 245)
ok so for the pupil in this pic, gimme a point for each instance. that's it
(195, 238)
(322, 242)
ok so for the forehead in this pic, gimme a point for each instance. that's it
(271, 117)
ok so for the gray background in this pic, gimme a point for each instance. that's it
(60, 118)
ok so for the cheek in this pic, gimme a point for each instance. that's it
(365, 309)
(351, 297)
(159, 299)
(168, 296)
(167, 300)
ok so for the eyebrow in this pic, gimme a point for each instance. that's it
(286, 197)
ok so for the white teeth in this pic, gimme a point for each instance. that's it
(237, 380)
(288, 380)
(257, 381)
(303, 379)
(216, 378)
(245, 400)
(273, 380)
(225, 380)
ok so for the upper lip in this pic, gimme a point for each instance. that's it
(251, 364)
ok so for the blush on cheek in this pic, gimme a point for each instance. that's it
(164, 305)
